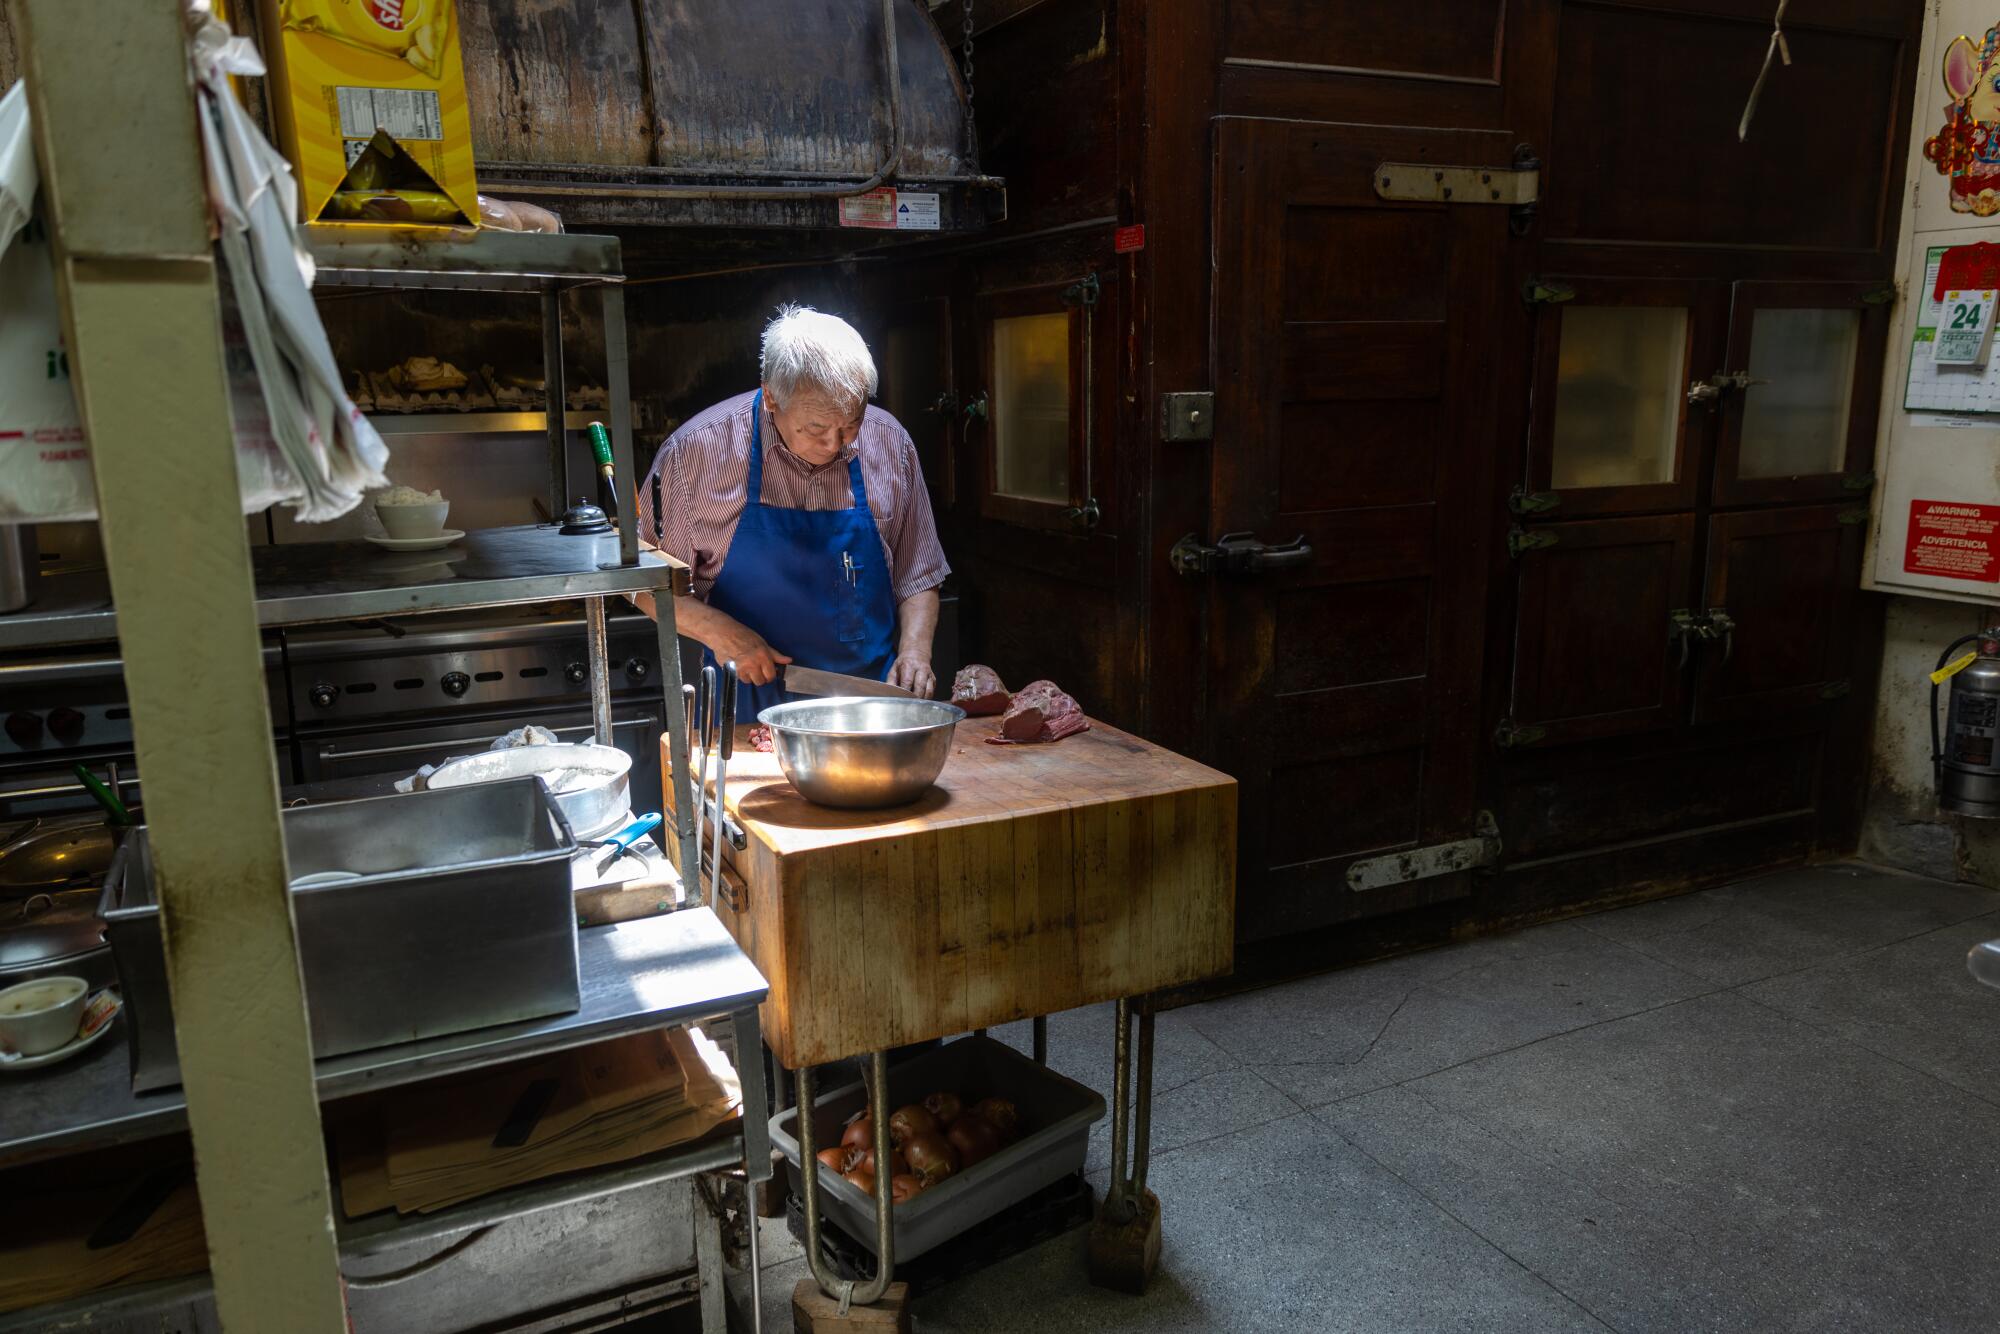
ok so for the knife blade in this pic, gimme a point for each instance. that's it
(811, 681)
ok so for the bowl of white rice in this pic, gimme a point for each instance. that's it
(407, 512)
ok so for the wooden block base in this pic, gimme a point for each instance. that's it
(771, 1194)
(1125, 1256)
(813, 1312)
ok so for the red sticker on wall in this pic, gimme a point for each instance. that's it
(1129, 238)
(1950, 540)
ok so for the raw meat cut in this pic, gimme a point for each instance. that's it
(978, 690)
(759, 739)
(1040, 712)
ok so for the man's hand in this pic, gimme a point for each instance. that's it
(913, 673)
(756, 662)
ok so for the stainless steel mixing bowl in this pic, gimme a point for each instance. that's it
(861, 752)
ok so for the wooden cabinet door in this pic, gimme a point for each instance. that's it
(1355, 409)
(1784, 580)
(1596, 652)
(1613, 430)
(1798, 391)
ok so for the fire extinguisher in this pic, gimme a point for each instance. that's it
(1967, 762)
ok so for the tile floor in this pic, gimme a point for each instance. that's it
(1772, 1106)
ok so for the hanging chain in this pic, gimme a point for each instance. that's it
(968, 59)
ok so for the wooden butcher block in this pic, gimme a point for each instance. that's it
(1031, 879)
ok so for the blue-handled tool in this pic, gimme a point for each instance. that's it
(621, 842)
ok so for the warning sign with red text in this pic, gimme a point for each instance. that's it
(1953, 540)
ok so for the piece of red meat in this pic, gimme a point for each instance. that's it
(1041, 712)
(979, 691)
(759, 739)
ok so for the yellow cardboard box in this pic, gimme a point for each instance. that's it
(342, 69)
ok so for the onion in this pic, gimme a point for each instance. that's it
(833, 1160)
(975, 1138)
(931, 1158)
(865, 1160)
(903, 1186)
(945, 1107)
(862, 1180)
(1001, 1114)
(860, 1133)
(912, 1121)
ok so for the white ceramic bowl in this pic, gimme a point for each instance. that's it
(425, 520)
(40, 1016)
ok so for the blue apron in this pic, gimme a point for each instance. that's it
(812, 583)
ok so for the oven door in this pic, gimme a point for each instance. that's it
(404, 748)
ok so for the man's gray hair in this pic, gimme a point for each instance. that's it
(806, 351)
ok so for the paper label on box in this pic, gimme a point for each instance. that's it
(916, 211)
(406, 113)
(877, 208)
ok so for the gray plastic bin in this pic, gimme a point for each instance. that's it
(1056, 1116)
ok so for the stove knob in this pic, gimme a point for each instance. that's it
(24, 728)
(455, 683)
(65, 724)
(576, 673)
(323, 695)
(638, 669)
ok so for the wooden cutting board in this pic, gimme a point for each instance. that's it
(1031, 879)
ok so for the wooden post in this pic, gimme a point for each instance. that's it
(122, 183)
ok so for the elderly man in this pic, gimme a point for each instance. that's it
(802, 511)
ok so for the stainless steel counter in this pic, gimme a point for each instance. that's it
(638, 975)
(352, 581)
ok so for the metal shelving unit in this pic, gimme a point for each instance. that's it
(639, 975)
(368, 255)
(654, 972)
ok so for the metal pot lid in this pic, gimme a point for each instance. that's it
(49, 940)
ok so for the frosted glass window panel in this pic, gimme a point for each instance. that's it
(1621, 381)
(1030, 407)
(1796, 425)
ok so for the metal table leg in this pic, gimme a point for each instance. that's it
(1041, 1031)
(756, 1146)
(843, 1290)
(1121, 1204)
(598, 664)
(552, 383)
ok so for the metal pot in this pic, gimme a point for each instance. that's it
(592, 785)
(20, 566)
(861, 752)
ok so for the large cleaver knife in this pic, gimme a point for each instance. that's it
(811, 681)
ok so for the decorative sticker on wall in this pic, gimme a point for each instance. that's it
(1967, 149)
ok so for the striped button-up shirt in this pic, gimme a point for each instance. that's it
(704, 465)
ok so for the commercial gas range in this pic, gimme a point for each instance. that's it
(348, 701)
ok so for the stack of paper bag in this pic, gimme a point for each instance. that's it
(443, 1143)
(91, 1227)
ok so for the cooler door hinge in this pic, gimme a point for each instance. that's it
(1420, 182)
(1520, 540)
(1858, 481)
(1837, 690)
(1523, 501)
(1510, 734)
(1480, 852)
(1852, 515)
(1546, 292)
(1881, 296)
